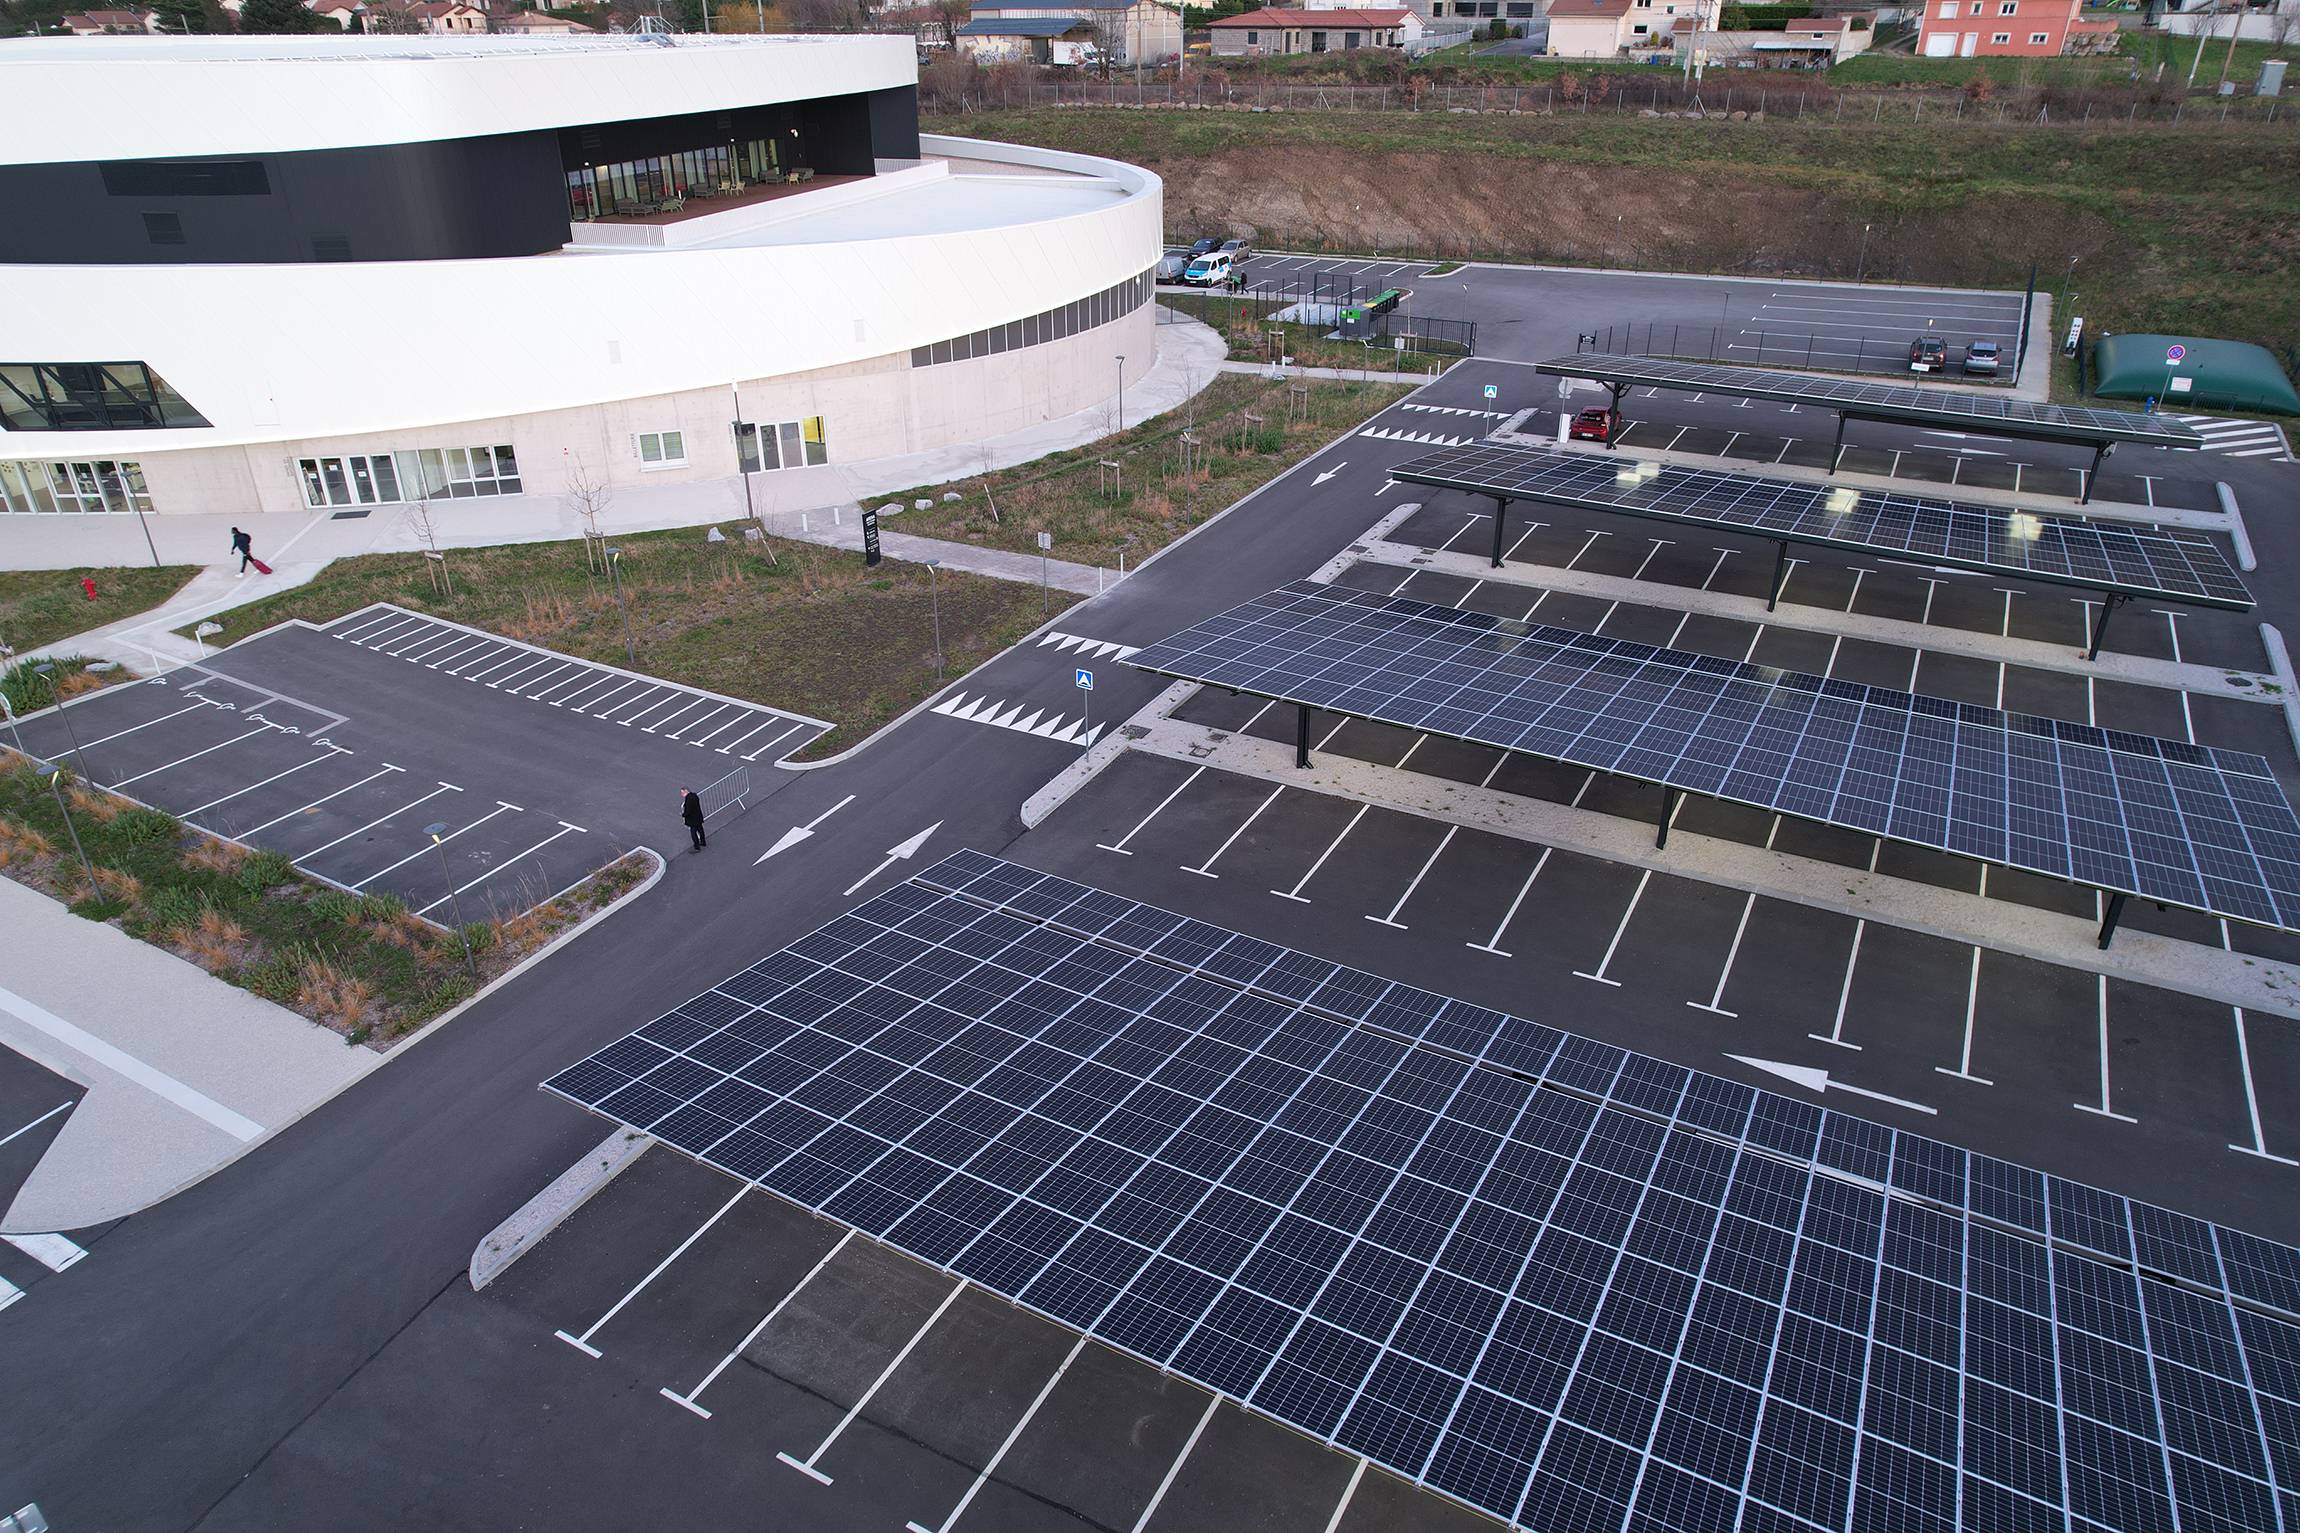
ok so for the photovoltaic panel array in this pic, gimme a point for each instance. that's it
(2129, 558)
(1575, 1287)
(1905, 402)
(2184, 824)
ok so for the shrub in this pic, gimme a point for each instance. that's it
(334, 906)
(262, 871)
(381, 907)
(480, 935)
(147, 827)
(173, 909)
(275, 979)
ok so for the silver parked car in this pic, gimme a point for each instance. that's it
(1982, 358)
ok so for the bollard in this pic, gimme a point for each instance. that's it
(88, 584)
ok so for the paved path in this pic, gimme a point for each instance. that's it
(184, 1072)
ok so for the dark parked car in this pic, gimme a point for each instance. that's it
(1205, 246)
(1592, 426)
(1928, 355)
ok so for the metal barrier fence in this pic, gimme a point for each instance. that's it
(1312, 287)
(732, 791)
(1427, 336)
(1765, 348)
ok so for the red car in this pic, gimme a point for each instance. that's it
(1592, 426)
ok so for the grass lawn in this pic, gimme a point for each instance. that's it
(812, 631)
(360, 964)
(38, 607)
(2192, 230)
(1158, 501)
(1245, 324)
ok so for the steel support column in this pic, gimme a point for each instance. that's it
(1780, 576)
(1669, 798)
(1837, 453)
(1301, 734)
(2099, 456)
(1613, 415)
(2108, 922)
(1500, 511)
(2109, 602)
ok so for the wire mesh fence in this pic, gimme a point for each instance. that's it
(1743, 347)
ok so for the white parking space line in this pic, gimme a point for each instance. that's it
(378, 820)
(1205, 869)
(535, 682)
(806, 1466)
(500, 808)
(1392, 918)
(1493, 944)
(511, 675)
(564, 829)
(487, 655)
(582, 1343)
(688, 1399)
(773, 740)
(19, 1133)
(580, 681)
(991, 1468)
(502, 670)
(1295, 893)
(1964, 1069)
(2105, 1109)
(1612, 947)
(328, 753)
(194, 756)
(673, 699)
(614, 687)
(387, 770)
(1174, 1470)
(450, 641)
(687, 713)
(369, 624)
(1349, 1494)
(720, 723)
(53, 1252)
(2259, 1145)
(746, 734)
(1715, 1003)
(1120, 848)
(89, 745)
(649, 698)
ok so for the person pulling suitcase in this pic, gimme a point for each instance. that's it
(245, 547)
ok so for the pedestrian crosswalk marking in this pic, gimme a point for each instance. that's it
(1491, 415)
(1001, 714)
(53, 1252)
(2239, 438)
(1071, 643)
(1426, 438)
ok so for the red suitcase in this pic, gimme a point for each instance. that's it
(261, 567)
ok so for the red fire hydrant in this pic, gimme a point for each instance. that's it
(88, 584)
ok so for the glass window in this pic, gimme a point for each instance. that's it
(818, 451)
(331, 469)
(2001, 37)
(662, 449)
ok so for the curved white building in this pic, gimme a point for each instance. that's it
(286, 273)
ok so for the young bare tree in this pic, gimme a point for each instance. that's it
(587, 497)
(982, 456)
(419, 518)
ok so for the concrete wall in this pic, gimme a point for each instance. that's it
(879, 408)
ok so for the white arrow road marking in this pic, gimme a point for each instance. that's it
(903, 849)
(1818, 1082)
(798, 833)
(1329, 473)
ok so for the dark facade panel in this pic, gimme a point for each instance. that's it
(894, 123)
(501, 195)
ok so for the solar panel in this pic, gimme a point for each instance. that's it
(2163, 564)
(1889, 401)
(1591, 1291)
(2183, 824)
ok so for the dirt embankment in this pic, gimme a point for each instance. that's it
(1700, 218)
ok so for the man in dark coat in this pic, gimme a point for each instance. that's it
(245, 547)
(691, 810)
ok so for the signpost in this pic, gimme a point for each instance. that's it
(1086, 703)
(1045, 542)
(1493, 391)
(2173, 356)
(870, 537)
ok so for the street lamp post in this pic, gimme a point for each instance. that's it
(454, 901)
(56, 699)
(1861, 267)
(1122, 391)
(70, 829)
(615, 580)
(934, 595)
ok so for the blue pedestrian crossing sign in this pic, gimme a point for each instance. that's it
(1493, 391)
(1085, 681)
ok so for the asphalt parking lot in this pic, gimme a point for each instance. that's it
(805, 1368)
(340, 756)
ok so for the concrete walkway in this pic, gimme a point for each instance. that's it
(184, 1072)
(814, 504)
(1414, 376)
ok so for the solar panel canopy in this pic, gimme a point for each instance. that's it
(2127, 558)
(1574, 1287)
(2185, 824)
(1888, 401)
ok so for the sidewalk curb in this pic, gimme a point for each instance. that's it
(550, 1208)
(2280, 661)
(1064, 784)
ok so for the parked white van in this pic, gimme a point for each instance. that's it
(1211, 270)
